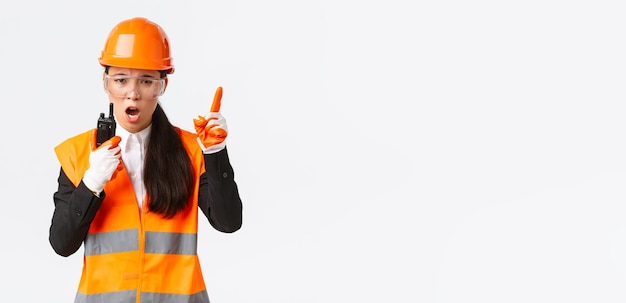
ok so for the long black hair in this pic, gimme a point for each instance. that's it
(168, 172)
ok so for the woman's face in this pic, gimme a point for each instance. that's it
(134, 94)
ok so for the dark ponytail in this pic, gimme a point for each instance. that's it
(168, 172)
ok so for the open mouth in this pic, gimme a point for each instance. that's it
(132, 111)
(132, 114)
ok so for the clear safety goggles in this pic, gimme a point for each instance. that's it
(120, 86)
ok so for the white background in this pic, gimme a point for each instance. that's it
(386, 151)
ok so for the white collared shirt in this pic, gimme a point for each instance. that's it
(134, 148)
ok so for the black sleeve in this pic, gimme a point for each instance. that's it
(218, 197)
(74, 209)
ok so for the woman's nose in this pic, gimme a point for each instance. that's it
(133, 94)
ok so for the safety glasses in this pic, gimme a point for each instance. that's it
(120, 86)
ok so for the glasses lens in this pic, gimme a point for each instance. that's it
(120, 86)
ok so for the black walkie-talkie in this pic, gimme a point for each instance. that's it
(106, 127)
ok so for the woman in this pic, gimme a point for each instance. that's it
(133, 200)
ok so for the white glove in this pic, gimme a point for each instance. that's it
(102, 164)
(212, 131)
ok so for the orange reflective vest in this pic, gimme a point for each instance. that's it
(130, 257)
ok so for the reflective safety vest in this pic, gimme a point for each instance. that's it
(130, 258)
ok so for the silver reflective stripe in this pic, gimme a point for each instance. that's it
(153, 297)
(111, 242)
(171, 243)
(126, 296)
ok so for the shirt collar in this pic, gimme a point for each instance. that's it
(143, 136)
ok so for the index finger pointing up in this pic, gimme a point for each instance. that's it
(217, 100)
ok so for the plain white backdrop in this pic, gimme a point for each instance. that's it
(386, 151)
